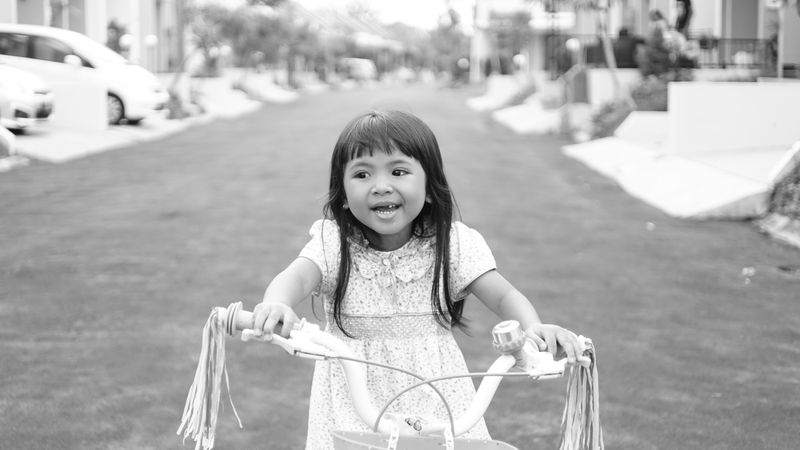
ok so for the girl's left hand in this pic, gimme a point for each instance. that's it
(556, 339)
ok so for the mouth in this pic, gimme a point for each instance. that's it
(385, 209)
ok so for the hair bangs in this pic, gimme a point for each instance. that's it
(378, 131)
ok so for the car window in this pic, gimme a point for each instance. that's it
(50, 49)
(91, 50)
(14, 44)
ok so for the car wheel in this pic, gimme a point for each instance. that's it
(116, 110)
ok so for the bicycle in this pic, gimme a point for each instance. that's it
(580, 420)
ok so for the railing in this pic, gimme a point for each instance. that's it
(702, 52)
(723, 53)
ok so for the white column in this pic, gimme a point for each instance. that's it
(135, 29)
(96, 20)
(718, 15)
(8, 12)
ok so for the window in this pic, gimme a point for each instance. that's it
(14, 44)
(50, 49)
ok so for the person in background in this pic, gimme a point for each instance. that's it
(626, 48)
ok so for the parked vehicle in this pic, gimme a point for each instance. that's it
(359, 69)
(56, 54)
(24, 98)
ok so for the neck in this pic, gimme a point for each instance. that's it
(386, 243)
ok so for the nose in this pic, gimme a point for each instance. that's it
(382, 186)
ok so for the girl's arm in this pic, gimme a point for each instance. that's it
(494, 291)
(284, 292)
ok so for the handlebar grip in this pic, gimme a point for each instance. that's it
(242, 320)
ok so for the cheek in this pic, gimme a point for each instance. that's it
(352, 193)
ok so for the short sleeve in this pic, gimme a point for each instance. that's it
(323, 250)
(470, 257)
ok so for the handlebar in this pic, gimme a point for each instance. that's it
(308, 341)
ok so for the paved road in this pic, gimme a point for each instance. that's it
(110, 264)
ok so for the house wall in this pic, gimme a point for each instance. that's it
(791, 52)
(34, 12)
(76, 15)
(8, 12)
(742, 22)
(791, 32)
(706, 116)
(704, 18)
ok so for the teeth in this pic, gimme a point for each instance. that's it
(386, 209)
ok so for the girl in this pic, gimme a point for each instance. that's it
(393, 269)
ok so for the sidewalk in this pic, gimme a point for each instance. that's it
(52, 144)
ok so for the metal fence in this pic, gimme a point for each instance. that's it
(701, 52)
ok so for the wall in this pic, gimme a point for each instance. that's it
(791, 30)
(8, 12)
(77, 16)
(792, 36)
(743, 20)
(708, 116)
(601, 88)
(34, 12)
(704, 17)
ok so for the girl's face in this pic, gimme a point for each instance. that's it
(385, 192)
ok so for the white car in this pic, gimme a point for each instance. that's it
(56, 54)
(24, 98)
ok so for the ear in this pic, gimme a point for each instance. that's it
(346, 206)
(428, 198)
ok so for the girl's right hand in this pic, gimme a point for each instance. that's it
(274, 317)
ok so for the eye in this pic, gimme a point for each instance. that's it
(360, 174)
(400, 172)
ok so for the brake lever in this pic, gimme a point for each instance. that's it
(542, 366)
(298, 344)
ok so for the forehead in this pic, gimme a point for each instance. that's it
(379, 158)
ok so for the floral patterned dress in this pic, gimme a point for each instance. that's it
(388, 312)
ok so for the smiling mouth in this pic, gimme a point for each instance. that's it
(386, 209)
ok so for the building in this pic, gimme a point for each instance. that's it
(150, 31)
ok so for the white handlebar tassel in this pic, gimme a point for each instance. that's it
(199, 420)
(580, 423)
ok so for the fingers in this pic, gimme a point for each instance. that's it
(535, 335)
(552, 343)
(559, 342)
(273, 317)
(541, 345)
(572, 348)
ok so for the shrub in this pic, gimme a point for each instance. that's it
(650, 94)
(608, 117)
(785, 198)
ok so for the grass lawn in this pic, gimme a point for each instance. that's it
(110, 265)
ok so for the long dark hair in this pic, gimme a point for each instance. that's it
(389, 131)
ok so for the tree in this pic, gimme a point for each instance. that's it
(448, 45)
(601, 10)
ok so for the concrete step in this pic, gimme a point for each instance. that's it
(710, 185)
